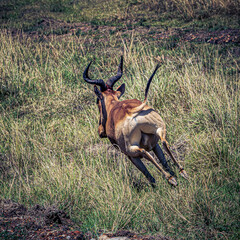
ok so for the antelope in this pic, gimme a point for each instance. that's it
(133, 126)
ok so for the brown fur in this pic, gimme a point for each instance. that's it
(120, 113)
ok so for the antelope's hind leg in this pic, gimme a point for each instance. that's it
(161, 134)
(182, 172)
(143, 153)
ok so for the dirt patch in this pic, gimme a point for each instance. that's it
(216, 37)
(18, 222)
(38, 222)
(47, 28)
(9, 208)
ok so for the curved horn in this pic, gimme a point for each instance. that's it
(98, 82)
(111, 81)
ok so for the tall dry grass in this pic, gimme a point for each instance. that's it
(50, 151)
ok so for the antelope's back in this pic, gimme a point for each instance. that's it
(121, 117)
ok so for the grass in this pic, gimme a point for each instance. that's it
(27, 15)
(50, 152)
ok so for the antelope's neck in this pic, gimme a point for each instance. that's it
(110, 102)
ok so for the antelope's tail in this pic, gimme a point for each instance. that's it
(136, 110)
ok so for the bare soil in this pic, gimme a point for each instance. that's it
(38, 222)
(48, 27)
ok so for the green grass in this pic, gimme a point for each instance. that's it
(51, 153)
(27, 15)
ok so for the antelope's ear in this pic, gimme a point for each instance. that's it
(98, 93)
(120, 90)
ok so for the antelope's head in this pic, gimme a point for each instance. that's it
(105, 95)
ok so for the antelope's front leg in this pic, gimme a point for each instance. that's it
(143, 153)
(139, 164)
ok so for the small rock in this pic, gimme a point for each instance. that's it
(105, 237)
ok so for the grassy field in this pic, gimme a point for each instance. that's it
(50, 152)
(210, 14)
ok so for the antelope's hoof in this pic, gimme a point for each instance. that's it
(172, 181)
(184, 174)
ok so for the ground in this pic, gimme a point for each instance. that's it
(18, 222)
(48, 27)
(210, 211)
